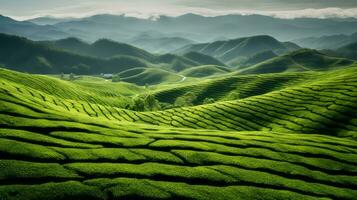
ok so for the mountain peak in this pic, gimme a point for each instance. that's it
(4, 18)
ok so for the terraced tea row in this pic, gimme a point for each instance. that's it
(325, 107)
(63, 147)
(91, 90)
(39, 154)
(320, 107)
(233, 86)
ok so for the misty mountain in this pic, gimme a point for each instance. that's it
(200, 28)
(157, 44)
(254, 59)
(347, 51)
(103, 48)
(189, 26)
(327, 42)
(48, 20)
(75, 56)
(30, 30)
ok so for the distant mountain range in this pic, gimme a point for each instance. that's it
(348, 51)
(30, 30)
(159, 44)
(49, 20)
(257, 54)
(188, 27)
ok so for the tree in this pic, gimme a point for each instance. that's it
(138, 104)
(151, 103)
(186, 100)
(116, 78)
(208, 100)
(146, 103)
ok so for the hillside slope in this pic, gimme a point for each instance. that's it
(301, 60)
(74, 56)
(229, 50)
(28, 56)
(53, 147)
(205, 71)
(348, 51)
(149, 76)
(159, 44)
(102, 48)
(332, 42)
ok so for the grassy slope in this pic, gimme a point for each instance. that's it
(228, 51)
(150, 76)
(204, 71)
(74, 56)
(86, 89)
(301, 60)
(53, 150)
(221, 88)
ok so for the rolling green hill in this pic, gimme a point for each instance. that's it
(227, 51)
(310, 104)
(348, 51)
(74, 56)
(301, 60)
(295, 141)
(106, 49)
(331, 42)
(149, 76)
(203, 59)
(253, 60)
(28, 56)
(205, 71)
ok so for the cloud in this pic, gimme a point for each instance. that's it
(171, 8)
(317, 13)
(291, 14)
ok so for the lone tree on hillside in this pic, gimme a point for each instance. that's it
(208, 100)
(186, 100)
(146, 103)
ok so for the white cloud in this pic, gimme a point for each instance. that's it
(149, 10)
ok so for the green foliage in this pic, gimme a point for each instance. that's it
(185, 100)
(116, 78)
(146, 102)
(208, 100)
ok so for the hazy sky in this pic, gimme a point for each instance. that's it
(22, 9)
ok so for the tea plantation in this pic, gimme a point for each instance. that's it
(286, 136)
